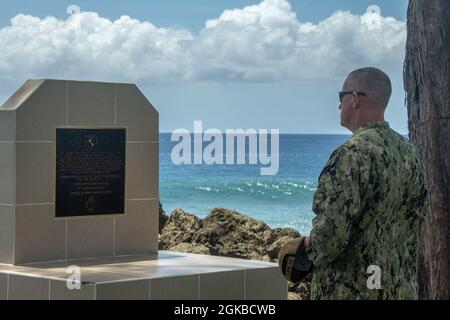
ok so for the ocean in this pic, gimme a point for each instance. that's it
(281, 200)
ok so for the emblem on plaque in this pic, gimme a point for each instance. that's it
(91, 204)
(92, 141)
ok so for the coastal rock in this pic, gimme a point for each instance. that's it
(225, 233)
(229, 233)
(162, 217)
(182, 227)
(191, 248)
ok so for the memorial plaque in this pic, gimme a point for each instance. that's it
(90, 172)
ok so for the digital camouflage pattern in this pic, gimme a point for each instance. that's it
(370, 205)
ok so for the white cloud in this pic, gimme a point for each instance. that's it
(263, 42)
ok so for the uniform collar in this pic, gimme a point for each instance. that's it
(372, 125)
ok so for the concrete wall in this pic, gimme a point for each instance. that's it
(29, 231)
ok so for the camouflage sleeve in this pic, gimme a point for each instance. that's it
(337, 204)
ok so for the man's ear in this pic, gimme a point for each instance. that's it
(355, 100)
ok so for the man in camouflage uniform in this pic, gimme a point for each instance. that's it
(369, 204)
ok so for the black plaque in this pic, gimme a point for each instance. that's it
(90, 172)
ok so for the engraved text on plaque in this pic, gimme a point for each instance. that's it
(90, 172)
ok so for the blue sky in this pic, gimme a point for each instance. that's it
(190, 14)
(276, 64)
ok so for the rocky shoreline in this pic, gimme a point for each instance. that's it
(228, 233)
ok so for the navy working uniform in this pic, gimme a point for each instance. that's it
(370, 206)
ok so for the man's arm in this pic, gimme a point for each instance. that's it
(337, 204)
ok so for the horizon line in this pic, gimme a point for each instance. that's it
(301, 133)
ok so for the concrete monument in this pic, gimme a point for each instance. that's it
(79, 203)
(51, 201)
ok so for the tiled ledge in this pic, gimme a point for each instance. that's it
(171, 275)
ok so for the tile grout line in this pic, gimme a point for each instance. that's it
(149, 289)
(34, 204)
(13, 254)
(35, 276)
(115, 125)
(67, 232)
(114, 236)
(7, 286)
(143, 199)
(36, 141)
(198, 287)
(143, 142)
(43, 141)
(245, 284)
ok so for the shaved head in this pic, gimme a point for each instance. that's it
(372, 81)
(364, 97)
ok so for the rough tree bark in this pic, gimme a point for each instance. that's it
(427, 86)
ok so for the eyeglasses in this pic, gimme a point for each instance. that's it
(343, 93)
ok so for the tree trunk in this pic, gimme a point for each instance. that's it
(427, 86)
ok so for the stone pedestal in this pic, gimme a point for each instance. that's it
(170, 276)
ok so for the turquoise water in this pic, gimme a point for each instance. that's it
(282, 200)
